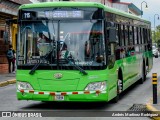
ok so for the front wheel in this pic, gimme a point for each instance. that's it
(119, 90)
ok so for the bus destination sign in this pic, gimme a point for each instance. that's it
(64, 14)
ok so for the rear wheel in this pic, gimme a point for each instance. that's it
(144, 72)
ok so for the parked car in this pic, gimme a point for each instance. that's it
(155, 51)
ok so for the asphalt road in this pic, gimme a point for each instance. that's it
(137, 94)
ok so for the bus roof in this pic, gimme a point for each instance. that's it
(81, 4)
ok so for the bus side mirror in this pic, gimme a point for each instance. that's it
(112, 35)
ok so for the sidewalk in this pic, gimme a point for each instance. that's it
(155, 108)
(6, 79)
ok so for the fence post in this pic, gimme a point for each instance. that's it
(154, 82)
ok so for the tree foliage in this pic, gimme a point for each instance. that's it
(156, 35)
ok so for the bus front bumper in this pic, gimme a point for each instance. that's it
(82, 96)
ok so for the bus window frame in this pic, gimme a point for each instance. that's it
(133, 39)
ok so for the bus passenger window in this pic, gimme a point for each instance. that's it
(142, 34)
(119, 34)
(126, 35)
(135, 36)
(130, 35)
(139, 35)
(123, 36)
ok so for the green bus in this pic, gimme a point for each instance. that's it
(80, 51)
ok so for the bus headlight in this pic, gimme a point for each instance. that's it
(24, 86)
(96, 86)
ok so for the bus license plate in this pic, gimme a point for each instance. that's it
(59, 97)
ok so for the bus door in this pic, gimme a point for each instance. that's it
(111, 36)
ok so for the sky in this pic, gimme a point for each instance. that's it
(148, 14)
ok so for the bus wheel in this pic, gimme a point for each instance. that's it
(119, 90)
(143, 74)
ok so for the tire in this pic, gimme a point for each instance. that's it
(143, 74)
(119, 90)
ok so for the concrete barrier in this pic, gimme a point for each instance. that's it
(153, 110)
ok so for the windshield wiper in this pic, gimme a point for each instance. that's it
(40, 61)
(76, 66)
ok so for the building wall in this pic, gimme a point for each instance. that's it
(111, 3)
(107, 2)
(8, 10)
(123, 7)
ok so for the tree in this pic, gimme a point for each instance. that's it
(156, 35)
(158, 27)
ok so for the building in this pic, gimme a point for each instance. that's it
(127, 7)
(8, 11)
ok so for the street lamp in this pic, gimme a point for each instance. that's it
(155, 26)
(145, 7)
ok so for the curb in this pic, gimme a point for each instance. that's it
(5, 83)
(153, 110)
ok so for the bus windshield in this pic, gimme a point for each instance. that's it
(81, 41)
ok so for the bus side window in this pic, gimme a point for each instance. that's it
(145, 38)
(131, 36)
(123, 35)
(111, 46)
(149, 41)
(142, 32)
(140, 36)
(126, 35)
(135, 36)
(117, 49)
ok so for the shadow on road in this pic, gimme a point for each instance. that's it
(68, 106)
